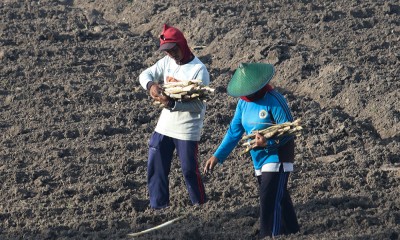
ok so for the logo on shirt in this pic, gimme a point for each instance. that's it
(263, 114)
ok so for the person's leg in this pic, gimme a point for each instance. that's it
(161, 149)
(268, 188)
(272, 189)
(289, 215)
(289, 223)
(188, 152)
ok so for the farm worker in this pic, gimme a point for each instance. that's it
(260, 106)
(180, 123)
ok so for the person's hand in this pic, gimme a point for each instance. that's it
(163, 99)
(155, 91)
(210, 164)
(260, 141)
(157, 95)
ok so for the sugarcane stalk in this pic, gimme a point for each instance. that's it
(189, 88)
(186, 90)
(194, 95)
(284, 134)
(274, 131)
(182, 83)
(177, 95)
(208, 89)
(266, 135)
(245, 150)
(270, 130)
(158, 104)
(290, 131)
(173, 90)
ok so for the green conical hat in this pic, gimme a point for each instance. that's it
(249, 78)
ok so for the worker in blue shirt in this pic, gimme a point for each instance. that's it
(260, 106)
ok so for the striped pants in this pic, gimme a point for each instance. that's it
(277, 215)
(161, 149)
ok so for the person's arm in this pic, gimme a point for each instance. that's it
(150, 80)
(279, 108)
(231, 139)
(281, 113)
(152, 75)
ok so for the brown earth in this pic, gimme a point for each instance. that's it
(75, 122)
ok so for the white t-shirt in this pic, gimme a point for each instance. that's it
(185, 120)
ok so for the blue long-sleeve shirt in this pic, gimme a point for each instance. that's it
(252, 116)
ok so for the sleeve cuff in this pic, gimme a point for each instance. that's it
(171, 103)
(149, 84)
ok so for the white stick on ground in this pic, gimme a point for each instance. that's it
(156, 227)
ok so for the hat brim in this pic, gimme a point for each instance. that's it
(167, 46)
(249, 78)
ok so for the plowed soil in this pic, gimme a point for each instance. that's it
(75, 123)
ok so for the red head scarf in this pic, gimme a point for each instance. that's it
(173, 35)
(258, 95)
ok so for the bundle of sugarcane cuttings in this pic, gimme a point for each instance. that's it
(275, 131)
(186, 91)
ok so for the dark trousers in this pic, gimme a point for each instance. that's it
(161, 150)
(277, 215)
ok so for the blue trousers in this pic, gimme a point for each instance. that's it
(161, 149)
